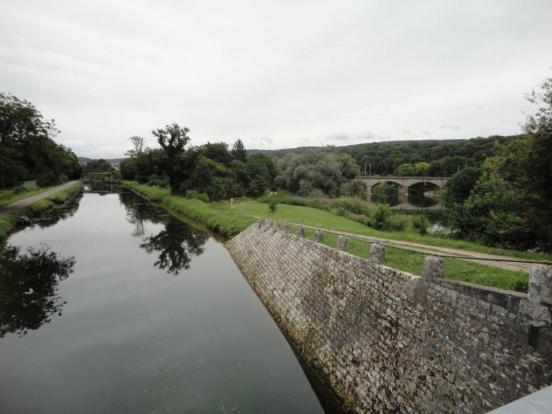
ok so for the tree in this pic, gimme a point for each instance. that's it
(138, 146)
(238, 151)
(173, 139)
(405, 170)
(459, 186)
(27, 148)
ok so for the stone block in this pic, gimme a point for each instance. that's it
(319, 236)
(377, 253)
(433, 267)
(342, 242)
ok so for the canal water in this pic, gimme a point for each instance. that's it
(113, 306)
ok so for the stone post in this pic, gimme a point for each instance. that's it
(275, 226)
(261, 223)
(319, 236)
(286, 229)
(377, 253)
(433, 267)
(342, 242)
(540, 295)
(300, 231)
(540, 284)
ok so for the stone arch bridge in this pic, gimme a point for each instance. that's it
(404, 183)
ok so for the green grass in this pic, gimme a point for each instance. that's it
(223, 221)
(8, 221)
(219, 217)
(320, 218)
(413, 262)
(10, 195)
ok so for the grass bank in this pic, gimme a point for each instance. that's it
(8, 221)
(219, 217)
(223, 221)
(413, 262)
(322, 218)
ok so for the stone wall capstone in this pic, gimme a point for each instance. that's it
(381, 349)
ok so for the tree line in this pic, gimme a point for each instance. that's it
(211, 171)
(27, 147)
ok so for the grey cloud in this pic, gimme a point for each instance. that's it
(107, 70)
(446, 127)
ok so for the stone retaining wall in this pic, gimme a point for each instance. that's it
(389, 341)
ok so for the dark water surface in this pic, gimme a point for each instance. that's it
(120, 308)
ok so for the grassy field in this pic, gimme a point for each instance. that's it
(219, 217)
(11, 195)
(321, 218)
(9, 220)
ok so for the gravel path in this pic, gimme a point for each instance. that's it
(25, 202)
(494, 260)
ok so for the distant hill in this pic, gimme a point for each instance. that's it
(115, 162)
(367, 147)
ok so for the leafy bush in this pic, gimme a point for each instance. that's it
(380, 217)
(197, 195)
(272, 204)
(47, 179)
(420, 222)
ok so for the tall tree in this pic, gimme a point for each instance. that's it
(137, 146)
(238, 151)
(173, 138)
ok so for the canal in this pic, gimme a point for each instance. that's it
(113, 306)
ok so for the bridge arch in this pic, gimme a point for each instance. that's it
(404, 183)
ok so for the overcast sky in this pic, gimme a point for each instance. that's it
(275, 73)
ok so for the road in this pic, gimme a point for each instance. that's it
(26, 202)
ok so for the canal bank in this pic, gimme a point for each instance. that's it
(389, 341)
(36, 205)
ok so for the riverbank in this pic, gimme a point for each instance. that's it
(225, 222)
(38, 205)
(229, 222)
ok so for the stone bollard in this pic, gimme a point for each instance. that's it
(261, 223)
(342, 242)
(286, 229)
(275, 226)
(540, 295)
(319, 236)
(377, 253)
(540, 284)
(300, 231)
(433, 267)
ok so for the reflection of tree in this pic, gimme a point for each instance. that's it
(28, 288)
(61, 213)
(175, 244)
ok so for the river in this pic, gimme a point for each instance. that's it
(120, 308)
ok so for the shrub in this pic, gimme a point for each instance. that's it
(272, 204)
(158, 182)
(197, 195)
(380, 217)
(398, 222)
(420, 223)
(47, 180)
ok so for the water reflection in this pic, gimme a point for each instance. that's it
(29, 284)
(174, 245)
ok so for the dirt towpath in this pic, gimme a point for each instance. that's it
(493, 260)
(26, 202)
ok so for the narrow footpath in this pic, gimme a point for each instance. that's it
(493, 260)
(26, 202)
